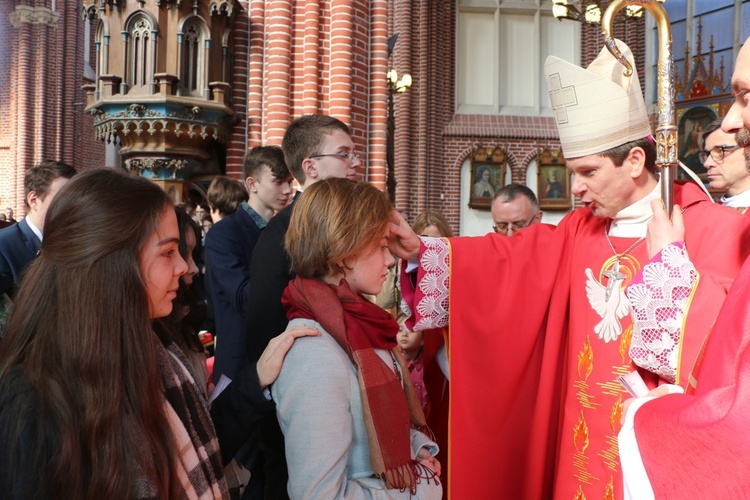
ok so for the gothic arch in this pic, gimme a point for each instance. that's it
(194, 38)
(461, 158)
(139, 65)
(190, 17)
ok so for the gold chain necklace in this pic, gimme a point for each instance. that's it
(618, 256)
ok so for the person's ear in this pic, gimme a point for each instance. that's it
(250, 185)
(310, 169)
(33, 200)
(538, 217)
(636, 162)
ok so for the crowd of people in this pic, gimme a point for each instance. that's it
(338, 369)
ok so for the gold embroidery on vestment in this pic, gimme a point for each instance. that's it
(581, 434)
(585, 360)
(625, 339)
(610, 455)
(609, 492)
(579, 494)
(615, 414)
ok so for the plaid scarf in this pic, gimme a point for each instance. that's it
(360, 327)
(199, 467)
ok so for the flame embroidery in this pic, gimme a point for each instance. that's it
(579, 494)
(624, 348)
(615, 415)
(581, 435)
(585, 360)
(609, 491)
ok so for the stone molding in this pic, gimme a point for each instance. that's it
(25, 14)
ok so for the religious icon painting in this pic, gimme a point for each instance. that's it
(553, 187)
(692, 123)
(488, 166)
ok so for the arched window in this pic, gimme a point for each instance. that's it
(140, 52)
(192, 61)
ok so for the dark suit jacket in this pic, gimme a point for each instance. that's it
(228, 248)
(271, 268)
(265, 318)
(18, 247)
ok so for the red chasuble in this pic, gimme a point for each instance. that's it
(535, 406)
(696, 446)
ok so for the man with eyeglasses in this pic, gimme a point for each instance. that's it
(540, 325)
(727, 165)
(315, 147)
(514, 207)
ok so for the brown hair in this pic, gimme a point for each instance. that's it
(334, 220)
(39, 178)
(619, 153)
(432, 218)
(226, 194)
(81, 334)
(304, 137)
(265, 156)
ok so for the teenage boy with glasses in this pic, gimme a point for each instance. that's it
(315, 147)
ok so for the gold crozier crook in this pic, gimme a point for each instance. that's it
(666, 131)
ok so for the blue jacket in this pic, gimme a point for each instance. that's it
(18, 247)
(228, 248)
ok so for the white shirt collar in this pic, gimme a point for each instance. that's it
(631, 221)
(36, 230)
(738, 200)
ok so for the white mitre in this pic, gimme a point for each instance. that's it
(597, 108)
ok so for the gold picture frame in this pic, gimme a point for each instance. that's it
(553, 181)
(488, 165)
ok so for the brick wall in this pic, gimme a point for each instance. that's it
(42, 73)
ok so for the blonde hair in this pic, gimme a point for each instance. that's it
(432, 218)
(333, 220)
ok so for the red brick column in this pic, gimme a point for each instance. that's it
(378, 105)
(340, 100)
(25, 98)
(311, 63)
(255, 72)
(401, 60)
(278, 75)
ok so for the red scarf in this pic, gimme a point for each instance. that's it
(360, 327)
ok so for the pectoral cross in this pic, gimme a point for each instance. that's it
(614, 278)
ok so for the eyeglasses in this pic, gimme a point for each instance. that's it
(503, 227)
(344, 156)
(718, 153)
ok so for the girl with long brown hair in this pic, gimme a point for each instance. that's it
(93, 403)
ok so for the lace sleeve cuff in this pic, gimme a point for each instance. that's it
(427, 301)
(659, 297)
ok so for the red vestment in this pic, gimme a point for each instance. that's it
(535, 406)
(696, 446)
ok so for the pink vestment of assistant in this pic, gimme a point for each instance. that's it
(696, 445)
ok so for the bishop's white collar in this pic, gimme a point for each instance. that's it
(631, 221)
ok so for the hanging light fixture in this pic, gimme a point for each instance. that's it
(588, 11)
(582, 11)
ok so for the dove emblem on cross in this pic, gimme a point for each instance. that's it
(609, 302)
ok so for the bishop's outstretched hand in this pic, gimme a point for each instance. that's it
(402, 241)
